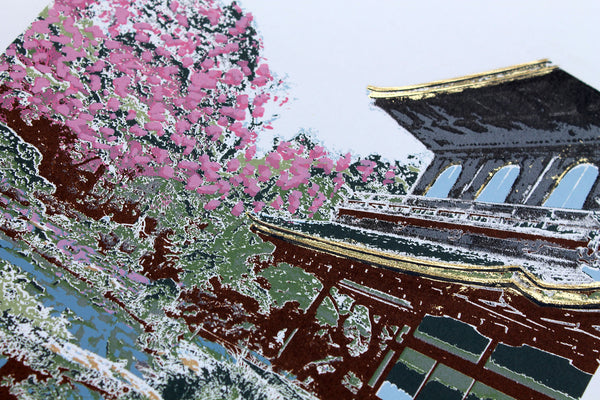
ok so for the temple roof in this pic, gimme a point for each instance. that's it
(530, 105)
(454, 85)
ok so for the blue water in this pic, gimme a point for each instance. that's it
(96, 330)
(215, 347)
(83, 393)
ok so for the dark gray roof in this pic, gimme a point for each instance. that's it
(531, 105)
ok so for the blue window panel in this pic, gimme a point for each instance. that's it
(573, 188)
(389, 391)
(593, 273)
(444, 183)
(498, 188)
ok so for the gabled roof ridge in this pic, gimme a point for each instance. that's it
(488, 78)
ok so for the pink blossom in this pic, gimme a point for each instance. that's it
(142, 37)
(156, 112)
(62, 109)
(287, 153)
(213, 131)
(94, 30)
(166, 171)
(203, 80)
(189, 143)
(264, 173)
(40, 84)
(40, 27)
(317, 152)
(224, 186)
(389, 177)
(366, 168)
(211, 205)
(273, 159)
(193, 182)
(248, 170)
(242, 100)
(236, 180)
(154, 126)
(326, 164)
(258, 112)
(113, 104)
(112, 44)
(107, 131)
(233, 77)
(191, 165)
(260, 99)
(252, 187)
(121, 15)
(154, 80)
(260, 81)
(339, 181)
(208, 63)
(343, 163)
(250, 152)
(313, 189)
(277, 203)
(95, 107)
(137, 131)
(238, 209)
(282, 182)
(135, 148)
(182, 126)
(317, 202)
(233, 165)
(143, 26)
(208, 189)
(194, 116)
(235, 113)
(211, 175)
(95, 83)
(294, 201)
(212, 14)
(220, 38)
(263, 70)
(300, 166)
(97, 66)
(244, 66)
(134, 276)
(161, 155)
(258, 206)
(182, 20)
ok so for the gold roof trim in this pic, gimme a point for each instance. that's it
(454, 85)
(510, 276)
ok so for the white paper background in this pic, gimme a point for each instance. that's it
(329, 51)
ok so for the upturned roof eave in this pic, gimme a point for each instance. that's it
(482, 79)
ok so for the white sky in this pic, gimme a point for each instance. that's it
(329, 51)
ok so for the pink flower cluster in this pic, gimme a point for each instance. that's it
(161, 90)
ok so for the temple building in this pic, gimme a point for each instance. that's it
(512, 135)
(479, 283)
